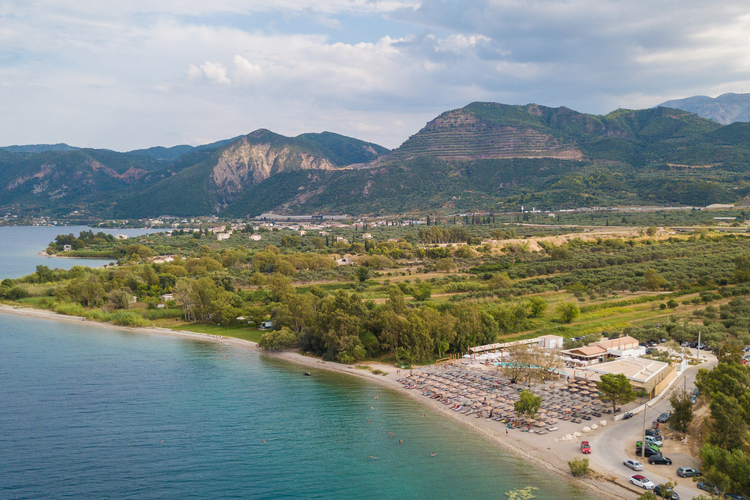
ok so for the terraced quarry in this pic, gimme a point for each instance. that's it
(458, 135)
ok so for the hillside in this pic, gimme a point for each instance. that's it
(486, 156)
(725, 109)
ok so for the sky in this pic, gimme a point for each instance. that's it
(135, 73)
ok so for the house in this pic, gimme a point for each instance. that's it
(67, 248)
(340, 239)
(366, 236)
(167, 296)
(121, 237)
(345, 262)
(255, 237)
(223, 236)
(160, 305)
(266, 325)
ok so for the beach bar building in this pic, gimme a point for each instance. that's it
(647, 374)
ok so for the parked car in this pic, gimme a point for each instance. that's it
(708, 487)
(650, 350)
(652, 445)
(642, 481)
(627, 416)
(662, 419)
(734, 497)
(688, 472)
(650, 452)
(659, 460)
(665, 493)
(585, 447)
(654, 441)
(653, 433)
(633, 464)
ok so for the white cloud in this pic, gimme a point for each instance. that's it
(215, 72)
(177, 70)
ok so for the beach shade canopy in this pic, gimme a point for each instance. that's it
(603, 423)
(586, 429)
(594, 427)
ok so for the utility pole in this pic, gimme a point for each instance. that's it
(698, 350)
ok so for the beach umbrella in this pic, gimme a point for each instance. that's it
(586, 429)
(594, 427)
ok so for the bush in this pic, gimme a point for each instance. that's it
(70, 309)
(579, 467)
(128, 318)
(278, 340)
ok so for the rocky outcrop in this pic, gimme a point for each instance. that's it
(244, 164)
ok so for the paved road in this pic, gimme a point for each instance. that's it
(616, 443)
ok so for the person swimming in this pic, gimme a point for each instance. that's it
(433, 454)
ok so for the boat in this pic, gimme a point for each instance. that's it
(307, 374)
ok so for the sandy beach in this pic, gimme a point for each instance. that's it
(547, 451)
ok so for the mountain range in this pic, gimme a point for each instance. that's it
(483, 156)
(725, 109)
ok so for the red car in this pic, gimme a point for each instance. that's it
(585, 447)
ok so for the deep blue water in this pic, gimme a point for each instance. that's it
(20, 246)
(87, 412)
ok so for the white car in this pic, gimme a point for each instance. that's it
(642, 481)
(633, 464)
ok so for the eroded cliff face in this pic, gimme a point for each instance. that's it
(245, 164)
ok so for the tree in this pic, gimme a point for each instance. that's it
(728, 426)
(652, 280)
(537, 305)
(499, 281)
(742, 268)
(528, 403)
(277, 340)
(363, 273)
(616, 388)
(727, 470)
(682, 411)
(651, 231)
(567, 311)
(422, 291)
(649, 495)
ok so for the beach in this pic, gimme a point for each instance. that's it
(546, 451)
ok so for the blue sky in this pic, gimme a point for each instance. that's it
(134, 74)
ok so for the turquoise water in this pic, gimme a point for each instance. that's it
(87, 412)
(20, 246)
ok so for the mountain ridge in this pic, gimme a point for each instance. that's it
(725, 109)
(483, 156)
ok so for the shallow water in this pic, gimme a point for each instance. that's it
(20, 247)
(88, 412)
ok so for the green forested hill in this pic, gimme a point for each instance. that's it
(482, 156)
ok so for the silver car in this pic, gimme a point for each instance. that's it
(633, 464)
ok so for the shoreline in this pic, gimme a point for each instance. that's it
(528, 447)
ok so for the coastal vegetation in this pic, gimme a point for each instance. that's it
(408, 297)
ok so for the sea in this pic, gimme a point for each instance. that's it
(20, 247)
(91, 412)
